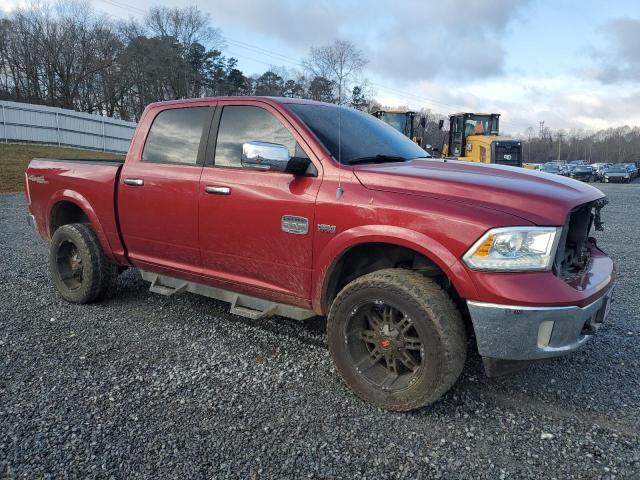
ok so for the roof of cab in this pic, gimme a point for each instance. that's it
(271, 100)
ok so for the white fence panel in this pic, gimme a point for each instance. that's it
(24, 122)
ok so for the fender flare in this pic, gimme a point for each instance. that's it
(393, 235)
(83, 204)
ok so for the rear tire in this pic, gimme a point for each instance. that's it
(79, 268)
(396, 339)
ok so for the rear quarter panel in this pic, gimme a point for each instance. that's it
(89, 185)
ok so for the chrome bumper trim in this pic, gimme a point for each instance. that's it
(511, 332)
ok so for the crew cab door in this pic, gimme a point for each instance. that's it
(242, 235)
(158, 189)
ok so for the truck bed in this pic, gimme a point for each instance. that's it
(90, 184)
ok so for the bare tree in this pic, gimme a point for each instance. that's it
(188, 25)
(340, 63)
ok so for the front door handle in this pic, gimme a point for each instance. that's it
(215, 190)
(134, 182)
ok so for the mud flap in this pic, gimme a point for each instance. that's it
(495, 367)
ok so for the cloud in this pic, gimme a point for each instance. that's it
(296, 23)
(402, 40)
(618, 60)
(562, 101)
(454, 40)
(9, 5)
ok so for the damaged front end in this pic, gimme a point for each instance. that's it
(510, 337)
(575, 245)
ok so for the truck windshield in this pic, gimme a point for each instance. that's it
(363, 137)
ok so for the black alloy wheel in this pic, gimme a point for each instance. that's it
(396, 338)
(384, 345)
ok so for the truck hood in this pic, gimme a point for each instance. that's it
(538, 197)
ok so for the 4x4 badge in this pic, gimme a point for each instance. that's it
(323, 227)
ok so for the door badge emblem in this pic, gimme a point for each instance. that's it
(295, 225)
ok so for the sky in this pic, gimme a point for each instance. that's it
(572, 64)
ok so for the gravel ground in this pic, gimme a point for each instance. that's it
(148, 386)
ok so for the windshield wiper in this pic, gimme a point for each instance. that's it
(377, 159)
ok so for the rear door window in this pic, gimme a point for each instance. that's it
(175, 136)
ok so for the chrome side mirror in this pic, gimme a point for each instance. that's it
(265, 156)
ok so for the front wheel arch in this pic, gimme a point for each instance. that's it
(432, 253)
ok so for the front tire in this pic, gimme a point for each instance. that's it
(396, 339)
(79, 268)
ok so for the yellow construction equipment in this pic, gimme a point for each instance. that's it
(475, 137)
(401, 120)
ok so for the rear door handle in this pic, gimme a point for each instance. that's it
(134, 182)
(215, 190)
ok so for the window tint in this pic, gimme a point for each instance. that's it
(240, 124)
(363, 135)
(175, 136)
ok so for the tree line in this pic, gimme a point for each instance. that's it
(67, 55)
(612, 145)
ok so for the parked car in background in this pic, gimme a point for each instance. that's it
(563, 168)
(584, 173)
(632, 169)
(531, 166)
(551, 167)
(599, 170)
(617, 173)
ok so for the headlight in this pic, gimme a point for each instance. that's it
(626, 176)
(514, 249)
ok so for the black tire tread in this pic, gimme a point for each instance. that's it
(101, 275)
(427, 295)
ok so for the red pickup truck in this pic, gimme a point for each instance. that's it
(298, 208)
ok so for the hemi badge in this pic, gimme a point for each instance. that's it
(323, 227)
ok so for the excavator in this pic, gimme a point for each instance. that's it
(475, 137)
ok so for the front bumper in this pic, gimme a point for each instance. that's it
(31, 220)
(582, 178)
(509, 332)
(616, 179)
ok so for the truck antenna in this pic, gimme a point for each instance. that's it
(339, 190)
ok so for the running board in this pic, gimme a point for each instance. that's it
(242, 305)
(167, 290)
